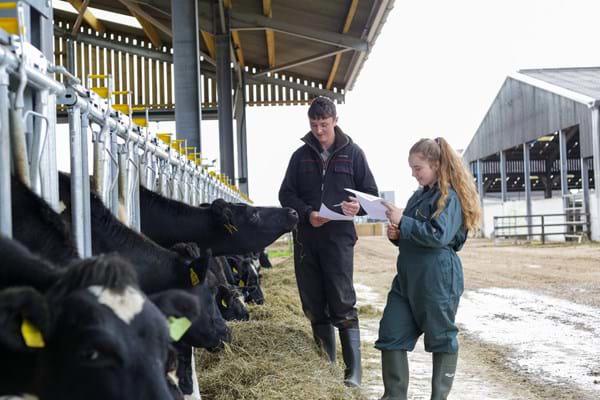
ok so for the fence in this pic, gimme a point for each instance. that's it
(542, 226)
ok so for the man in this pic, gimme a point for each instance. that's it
(318, 172)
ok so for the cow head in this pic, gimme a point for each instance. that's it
(209, 330)
(240, 228)
(109, 341)
(231, 304)
(247, 277)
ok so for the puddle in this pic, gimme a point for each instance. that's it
(550, 340)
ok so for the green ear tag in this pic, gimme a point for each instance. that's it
(234, 269)
(194, 278)
(223, 303)
(178, 327)
(31, 335)
(242, 283)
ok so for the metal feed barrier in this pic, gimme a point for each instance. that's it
(126, 151)
(542, 226)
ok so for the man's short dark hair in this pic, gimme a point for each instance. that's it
(322, 108)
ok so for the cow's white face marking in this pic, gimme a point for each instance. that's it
(241, 299)
(125, 305)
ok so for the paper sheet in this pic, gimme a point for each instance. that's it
(372, 205)
(332, 215)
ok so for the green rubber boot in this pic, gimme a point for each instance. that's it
(394, 366)
(444, 368)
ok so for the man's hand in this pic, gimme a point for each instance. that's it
(393, 213)
(316, 220)
(393, 233)
(351, 207)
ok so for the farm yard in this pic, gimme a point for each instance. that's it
(529, 320)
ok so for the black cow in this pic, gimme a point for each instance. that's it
(223, 227)
(246, 276)
(103, 338)
(263, 259)
(158, 268)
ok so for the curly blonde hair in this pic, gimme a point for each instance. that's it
(451, 173)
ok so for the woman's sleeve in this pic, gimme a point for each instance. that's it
(435, 232)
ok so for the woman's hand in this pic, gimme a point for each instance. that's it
(393, 213)
(393, 233)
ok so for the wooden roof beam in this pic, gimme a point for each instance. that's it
(338, 57)
(90, 18)
(139, 11)
(209, 42)
(269, 34)
(148, 28)
(235, 36)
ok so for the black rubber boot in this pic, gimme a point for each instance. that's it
(325, 338)
(444, 368)
(394, 367)
(350, 339)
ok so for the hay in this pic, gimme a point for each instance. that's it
(273, 356)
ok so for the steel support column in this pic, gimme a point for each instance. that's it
(503, 175)
(242, 144)
(564, 167)
(480, 190)
(596, 152)
(527, 182)
(5, 194)
(224, 85)
(186, 61)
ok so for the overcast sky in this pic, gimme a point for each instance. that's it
(434, 71)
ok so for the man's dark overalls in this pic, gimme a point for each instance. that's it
(323, 256)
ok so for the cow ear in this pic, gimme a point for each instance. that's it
(24, 319)
(223, 215)
(199, 268)
(223, 293)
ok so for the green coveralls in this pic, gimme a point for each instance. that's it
(429, 282)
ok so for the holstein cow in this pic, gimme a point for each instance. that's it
(229, 300)
(223, 227)
(94, 335)
(247, 278)
(158, 268)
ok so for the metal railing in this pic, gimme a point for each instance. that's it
(125, 154)
(542, 226)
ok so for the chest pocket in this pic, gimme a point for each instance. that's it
(342, 167)
(309, 166)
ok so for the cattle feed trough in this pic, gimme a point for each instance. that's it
(125, 154)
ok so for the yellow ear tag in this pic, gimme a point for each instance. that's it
(31, 335)
(242, 283)
(178, 327)
(223, 303)
(234, 269)
(194, 278)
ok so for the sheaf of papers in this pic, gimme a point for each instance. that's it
(332, 215)
(372, 205)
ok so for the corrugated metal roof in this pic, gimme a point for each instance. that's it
(585, 81)
(246, 18)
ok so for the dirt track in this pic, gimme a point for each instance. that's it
(488, 370)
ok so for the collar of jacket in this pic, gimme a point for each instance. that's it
(341, 141)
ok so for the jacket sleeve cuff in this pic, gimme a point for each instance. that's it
(406, 226)
(307, 212)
